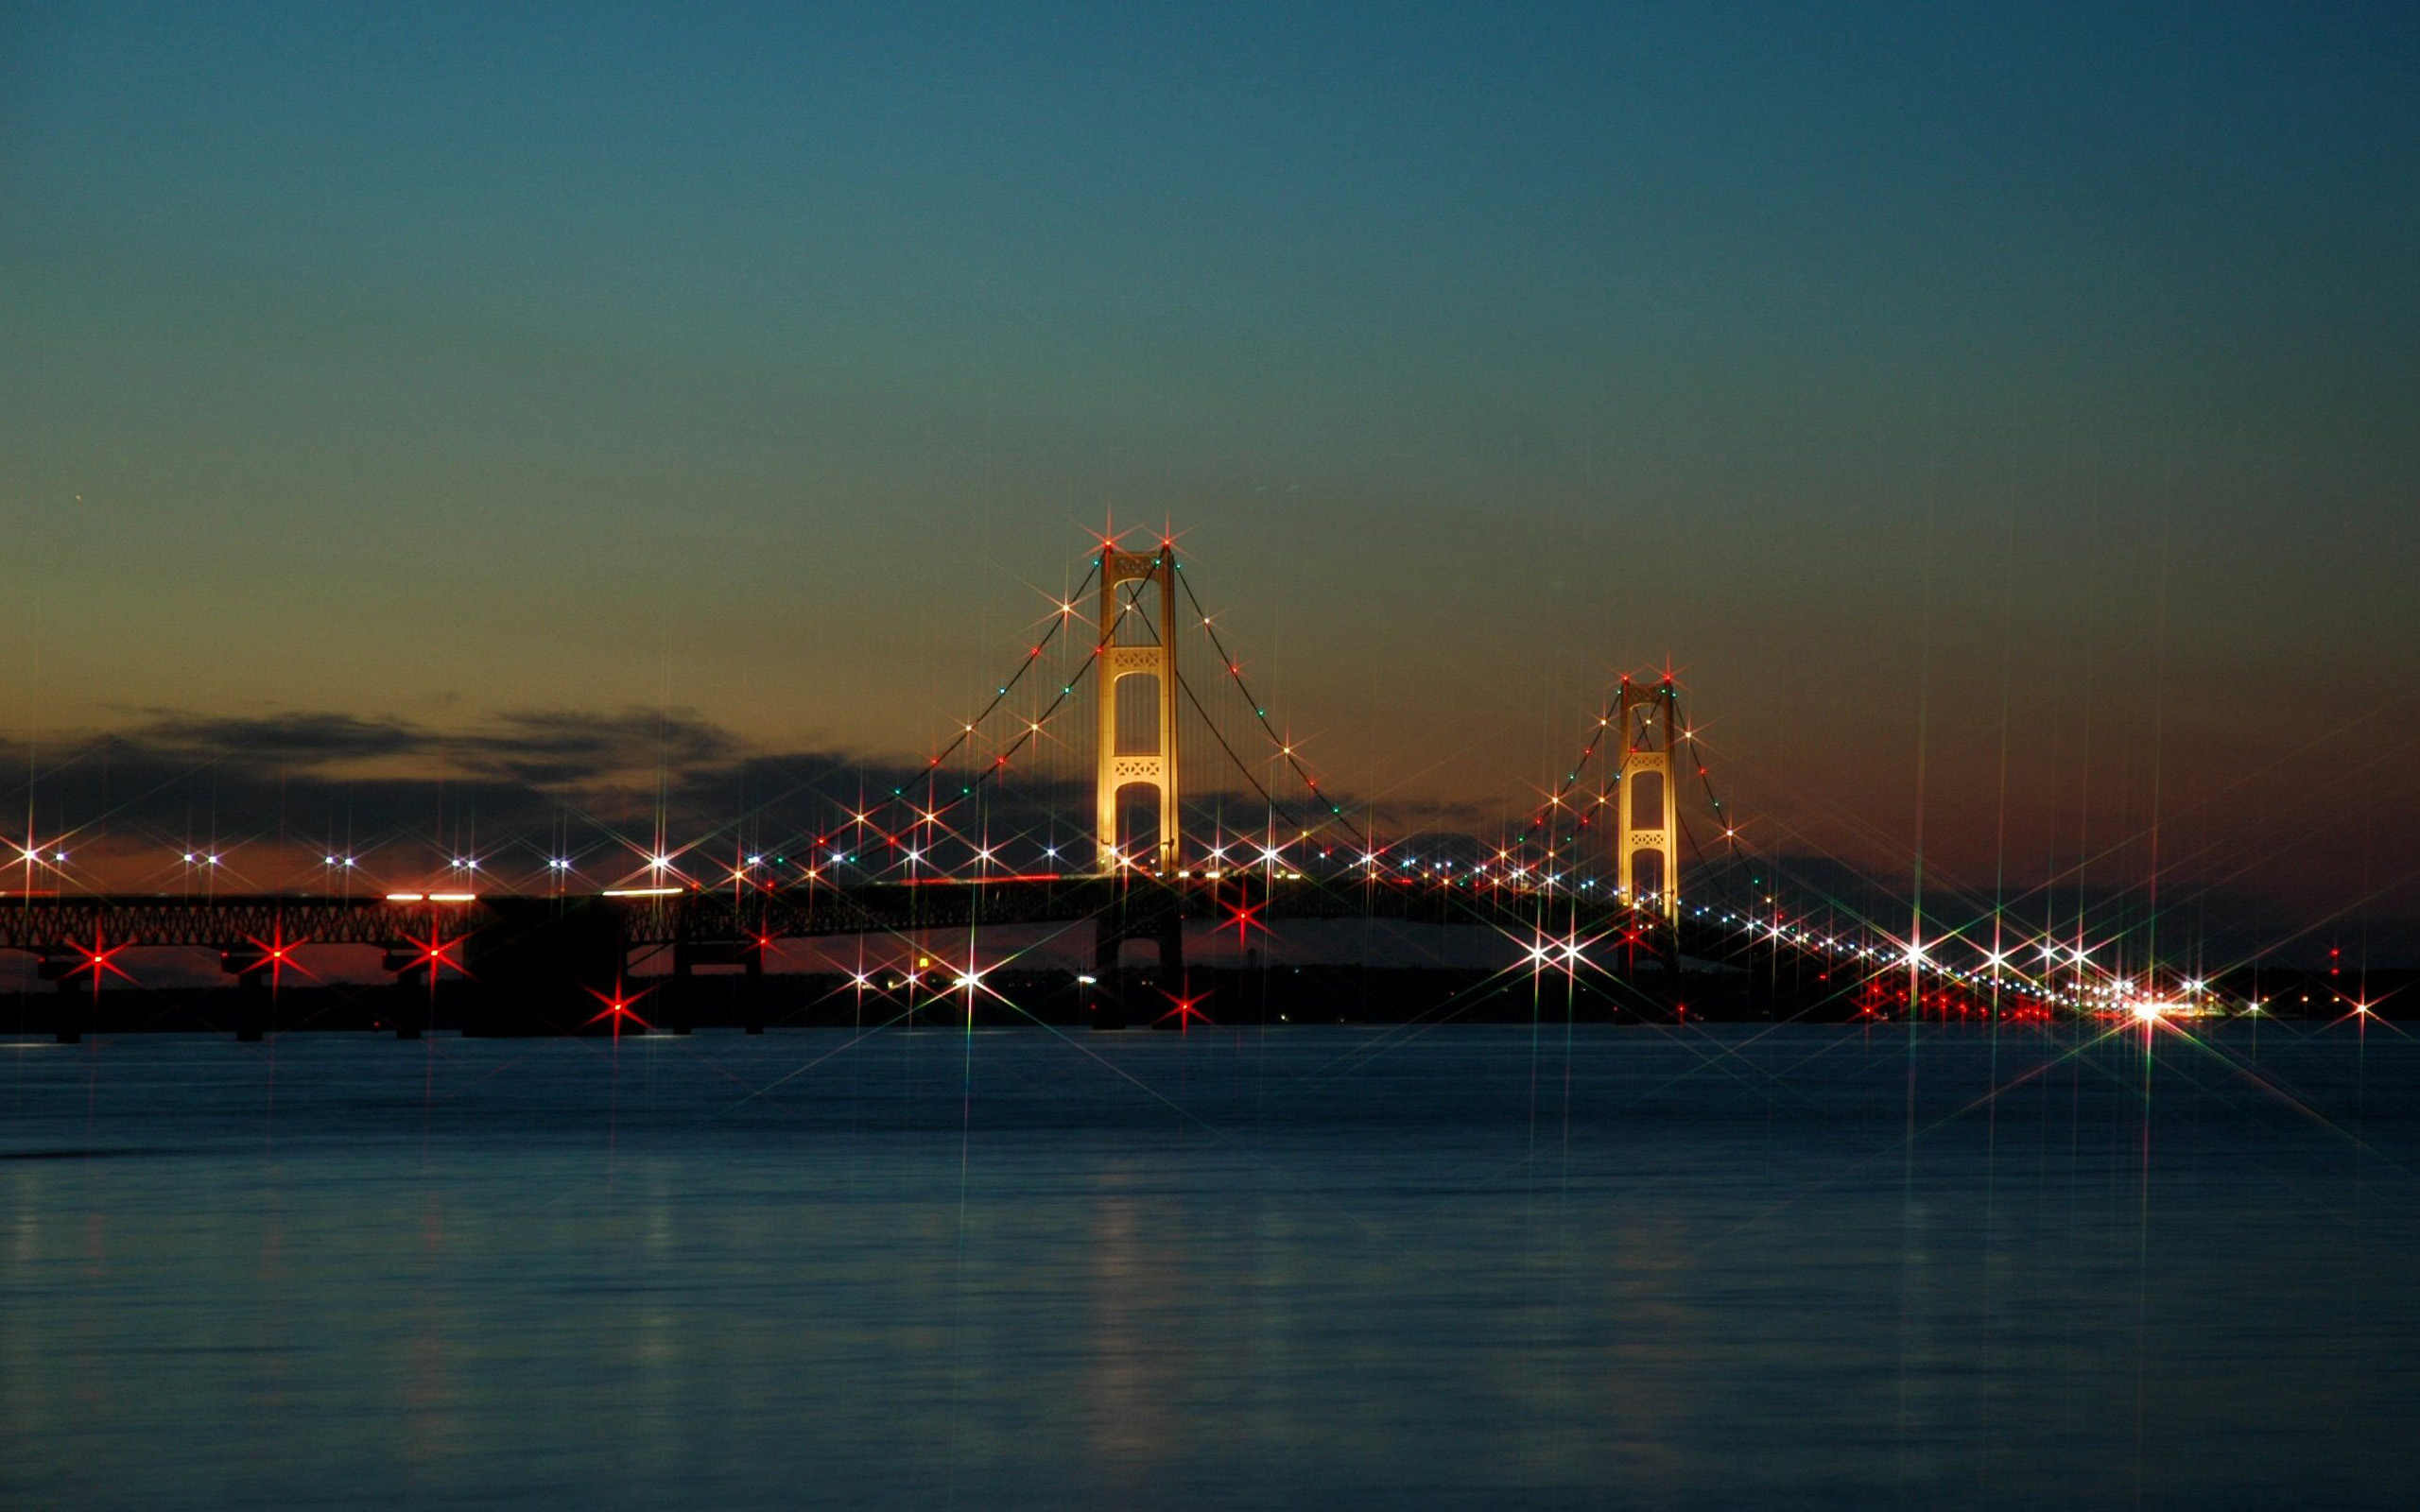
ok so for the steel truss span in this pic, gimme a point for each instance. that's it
(67, 926)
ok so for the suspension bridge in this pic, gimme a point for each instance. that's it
(1124, 777)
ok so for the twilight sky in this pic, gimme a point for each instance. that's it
(2005, 416)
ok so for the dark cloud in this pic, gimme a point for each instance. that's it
(546, 749)
(310, 739)
(561, 749)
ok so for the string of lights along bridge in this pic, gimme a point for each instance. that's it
(1126, 774)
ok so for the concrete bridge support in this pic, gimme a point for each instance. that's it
(414, 994)
(255, 1003)
(71, 1012)
(688, 954)
(1122, 998)
(543, 966)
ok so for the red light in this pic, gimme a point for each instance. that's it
(275, 951)
(97, 960)
(618, 1008)
(1187, 1010)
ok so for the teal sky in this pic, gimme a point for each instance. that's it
(1927, 382)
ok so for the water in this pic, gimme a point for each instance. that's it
(1405, 1268)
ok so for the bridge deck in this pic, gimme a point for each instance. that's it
(68, 925)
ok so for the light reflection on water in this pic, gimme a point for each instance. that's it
(1464, 1267)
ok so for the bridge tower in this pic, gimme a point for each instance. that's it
(1150, 909)
(1155, 768)
(1645, 719)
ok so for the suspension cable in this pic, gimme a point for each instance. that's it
(1260, 711)
(1604, 722)
(1033, 656)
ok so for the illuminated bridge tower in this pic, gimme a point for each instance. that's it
(1155, 768)
(1646, 818)
(1148, 906)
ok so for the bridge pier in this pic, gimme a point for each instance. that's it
(414, 994)
(1664, 992)
(69, 1014)
(254, 1000)
(1121, 998)
(542, 966)
(1655, 994)
(688, 954)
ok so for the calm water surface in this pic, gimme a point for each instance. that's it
(1434, 1268)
